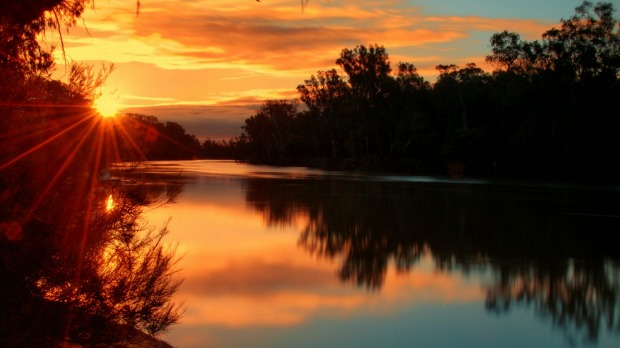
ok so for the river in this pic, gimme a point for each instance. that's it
(296, 257)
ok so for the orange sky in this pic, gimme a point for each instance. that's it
(209, 64)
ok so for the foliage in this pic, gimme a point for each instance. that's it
(269, 131)
(83, 81)
(142, 137)
(546, 111)
(124, 279)
(56, 232)
(326, 96)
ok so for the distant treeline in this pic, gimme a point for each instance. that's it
(143, 137)
(548, 110)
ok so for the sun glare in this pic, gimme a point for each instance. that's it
(107, 105)
(109, 204)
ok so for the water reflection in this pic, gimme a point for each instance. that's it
(580, 297)
(549, 248)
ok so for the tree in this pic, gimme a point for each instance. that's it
(54, 228)
(269, 131)
(326, 97)
(506, 48)
(413, 125)
(221, 149)
(587, 45)
(26, 12)
(174, 143)
(458, 87)
(407, 102)
(555, 97)
(462, 99)
(580, 81)
(367, 68)
(368, 71)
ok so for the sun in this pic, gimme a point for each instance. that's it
(107, 105)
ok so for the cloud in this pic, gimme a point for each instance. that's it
(176, 55)
(276, 38)
(259, 278)
(251, 292)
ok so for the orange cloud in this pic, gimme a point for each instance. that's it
(240, 273)
(251, 292)
(276, 39)
(189, 53)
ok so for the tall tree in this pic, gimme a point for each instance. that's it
(587, 45)
(326, 96)
(269, 130)
(407, 102)
(462, 100)
(510, 54)
(368, 70)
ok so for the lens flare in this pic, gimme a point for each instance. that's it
(107, 105)
(109, 203)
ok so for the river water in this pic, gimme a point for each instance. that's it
(295, 257)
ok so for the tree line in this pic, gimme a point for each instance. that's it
(548, 110)
(142, 137)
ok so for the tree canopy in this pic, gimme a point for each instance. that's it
(546, 111)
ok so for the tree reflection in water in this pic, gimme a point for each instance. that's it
(547, 247)
(74, 268)
(580, 297)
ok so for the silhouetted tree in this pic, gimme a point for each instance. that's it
(368, 71)
(269, 131)
(327, 97)
(407, 104)
(587, 45)
(511, 54)
(142, 137)
(555, 97)
(221, 149)
(545, 112)
(54, 221)
(174, 143)
(417, 132)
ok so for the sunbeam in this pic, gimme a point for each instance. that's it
(69, 159)
(107, 105)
